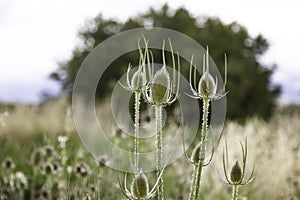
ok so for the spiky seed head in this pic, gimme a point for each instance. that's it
(21, 181)
(49, 151)
(137, 79)
(207, 86)
(196, 153)
(140, 186)
(236, 173)
(160, 86)
(56, 167)
(8, 163)
(48, 168)
(36, 157)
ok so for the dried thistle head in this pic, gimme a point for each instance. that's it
(21, 181)
(140, 186)
(82, 169)
(137, 80)
(237, 174)
(8, 163)
(47, 168)
(161, 90)
(207, 86)
(160, 86)
(36, 157)
(139, 189)
(49, 151)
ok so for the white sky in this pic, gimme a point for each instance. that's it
(36, 34)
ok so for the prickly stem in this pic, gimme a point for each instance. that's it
(203, 147)
(159, 153)
(136, 130)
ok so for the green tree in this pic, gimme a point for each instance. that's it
(251, 93)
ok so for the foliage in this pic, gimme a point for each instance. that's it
(272, 146)
(251, 93)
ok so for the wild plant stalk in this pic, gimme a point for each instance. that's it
(32, 187)
(136, 129)
(159, 153)
(135, 85)
(160, 92)
(235, 189)
(202, 154)
(237, 173)
(206, 91)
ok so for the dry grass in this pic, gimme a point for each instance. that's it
(274, 148)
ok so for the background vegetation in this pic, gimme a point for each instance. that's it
(251, 92)
(273, 149)
(272, 130)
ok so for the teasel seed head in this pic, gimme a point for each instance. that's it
(48, 168)
(36, 157)
(8, 163)
(236, 173)
(160, 86)
(140, 186)
(49, 151)
(207, 86)
(137, 80)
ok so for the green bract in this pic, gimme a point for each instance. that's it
(160, 86)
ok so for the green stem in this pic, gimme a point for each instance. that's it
(49, 186)
(234, 192)
(136, 130)
(203, 147)
(32, 187)
(159, 153)
(192, 188)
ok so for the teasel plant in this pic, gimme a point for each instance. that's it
(237, 173)
(161, 91)
(207, 92)
(135, 85)
(139, 188)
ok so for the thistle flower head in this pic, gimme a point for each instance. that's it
(49, 151)
(47, 168)
(8, 163)
(207, 86)
(21, 181)
(160, 86)
(140, 186)
(82, 169)
(139, 189)
(161, 90)
(137, 80)
(36, 157)
(236, 173)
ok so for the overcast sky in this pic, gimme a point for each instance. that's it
(36, 34)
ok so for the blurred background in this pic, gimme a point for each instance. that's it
(43, 43)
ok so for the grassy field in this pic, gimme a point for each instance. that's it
(42, 158)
